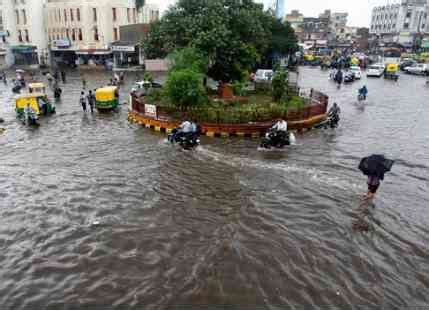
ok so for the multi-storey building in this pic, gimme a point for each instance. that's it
(400, 23)
(80, 31)
(22, 35)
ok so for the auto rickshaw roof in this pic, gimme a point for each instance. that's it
(107, 89)
(29, 96)
(36, 85)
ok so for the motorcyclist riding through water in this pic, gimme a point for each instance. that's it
(363, 93)
(277, 136)
(187, 132)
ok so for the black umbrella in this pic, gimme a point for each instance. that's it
(376, 165)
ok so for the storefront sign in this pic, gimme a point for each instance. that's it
(124, 48)
(61, 43)
(150, 110)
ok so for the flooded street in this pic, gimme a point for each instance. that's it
(225, 225)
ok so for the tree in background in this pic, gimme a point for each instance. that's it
(185, 81)
(234, 35)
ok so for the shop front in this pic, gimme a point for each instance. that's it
(62, 54)
(24, 55)
(94, 58)
(126, 55)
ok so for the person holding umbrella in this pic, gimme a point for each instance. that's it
(375, 166)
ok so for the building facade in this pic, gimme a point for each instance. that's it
(80, 31)
(400, 23)
(22, 33)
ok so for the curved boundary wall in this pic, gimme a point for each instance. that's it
(150, 116)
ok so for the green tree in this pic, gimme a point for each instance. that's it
(233, 34)
(189, 58)
(185, 88)
(280, 85)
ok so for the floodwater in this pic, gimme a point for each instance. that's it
(227, 225)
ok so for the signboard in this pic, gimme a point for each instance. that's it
(61, 43)
(123, 48)
(150, 110)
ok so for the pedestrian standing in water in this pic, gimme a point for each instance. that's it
(90, 100)
(82, 101)
(63, 76)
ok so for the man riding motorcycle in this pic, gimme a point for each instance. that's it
(187, 131)
(277, 136)
(334, 115)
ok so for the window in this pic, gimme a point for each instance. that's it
(27, 37)
(73, 35)
(80, 35)
(65, 16)
(68, 34)
(134, 16)
(96, 37)
(115, 34)
(17, 16)
(94, 13)
(59, 15)
(24, 17)
(408, 14)
(19, 36)
(129, 15)
(114, 14)
(71, 15)
(406, 25)
(78, 14)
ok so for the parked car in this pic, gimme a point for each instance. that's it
(420, 69)
(145, 85)
(376, 70)
(264, 75)
(407, 62)
(356, 71)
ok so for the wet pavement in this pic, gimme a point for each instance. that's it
(225, 225)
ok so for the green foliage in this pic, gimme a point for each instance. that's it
(233, 35)
(260, 108)
(185, 88)
(280, 86)
(189, 58)
(147, 77)
(239, 88)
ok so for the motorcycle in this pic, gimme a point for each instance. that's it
(349, 77)
(332, 121)
(276, 139)
(187, 141)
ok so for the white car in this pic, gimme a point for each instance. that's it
(376, 70)
(421, 69)
(264, 75)
(356, 71)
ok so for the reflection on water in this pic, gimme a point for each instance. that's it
(225, 225)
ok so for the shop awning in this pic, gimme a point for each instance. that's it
(23, 49)
(425, 45)
(123, 46)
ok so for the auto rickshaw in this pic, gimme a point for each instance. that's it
(30, 107)
(37, 88)
(107, 98)
(391, 72)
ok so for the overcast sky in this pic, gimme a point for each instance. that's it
(359, 10)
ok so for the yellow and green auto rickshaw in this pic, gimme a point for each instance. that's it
(391, 71)
(107, 98)
(30, 107)
(37, 88)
